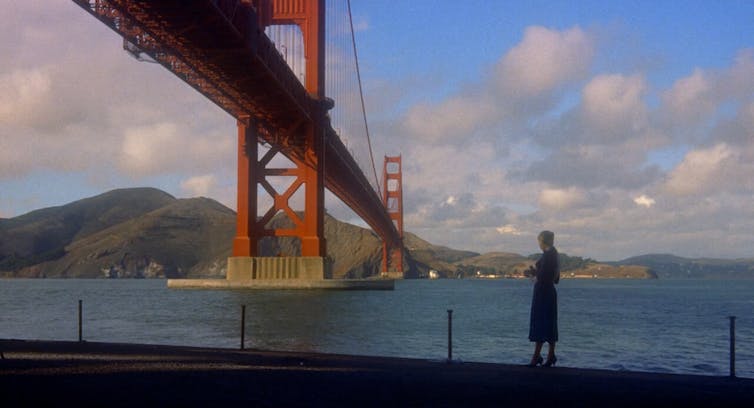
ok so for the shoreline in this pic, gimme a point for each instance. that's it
(92, 373)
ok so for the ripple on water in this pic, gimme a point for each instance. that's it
(706, 368)
(657, 369)
(617, 367)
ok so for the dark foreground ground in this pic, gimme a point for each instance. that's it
(36, 373)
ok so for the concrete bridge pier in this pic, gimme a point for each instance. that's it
(302, 272)
(247, 269)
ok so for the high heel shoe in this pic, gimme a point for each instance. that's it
(535, 363)
(550, 362)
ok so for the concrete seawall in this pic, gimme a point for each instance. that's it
(85, 374)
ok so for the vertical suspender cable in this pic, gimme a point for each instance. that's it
(361, 95)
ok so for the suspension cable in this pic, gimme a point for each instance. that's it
(361, 95)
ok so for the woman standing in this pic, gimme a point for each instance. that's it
(543, 323)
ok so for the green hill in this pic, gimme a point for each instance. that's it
(143, 233)
(426, 257)
(42, 235)
(167, 242)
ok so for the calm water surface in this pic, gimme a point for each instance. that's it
(678, 326)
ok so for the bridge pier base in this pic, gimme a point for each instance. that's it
(246, 268)
(302, 272)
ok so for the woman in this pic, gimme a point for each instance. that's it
(543, 323)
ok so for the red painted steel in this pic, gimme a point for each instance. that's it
(219, 48)
(246, 226)
(309, 16)
(392, 198)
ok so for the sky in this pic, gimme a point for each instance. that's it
(625, 127)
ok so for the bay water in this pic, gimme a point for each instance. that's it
(674, 326)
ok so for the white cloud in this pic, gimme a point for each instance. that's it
(166, 147)
(145, 149)
(452, 121)
(508, 229)
(199, 185)
(747, 114)
(522, 86)
(691, 98)
(591, 166)
(738, 81)
(612, 104)
(544, 60)
(559, 199)
(698, 97)
(22, 93)
(701, 171)
(644, 201)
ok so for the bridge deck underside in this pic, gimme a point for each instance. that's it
(218, 47)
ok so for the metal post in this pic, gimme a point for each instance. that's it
(243, 325)
(450, 335)
(732, 345)
(80, 323)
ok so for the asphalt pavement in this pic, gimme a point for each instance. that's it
(54, 373)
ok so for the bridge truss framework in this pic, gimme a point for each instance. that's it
(219, 48)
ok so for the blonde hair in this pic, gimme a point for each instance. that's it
(547, 238)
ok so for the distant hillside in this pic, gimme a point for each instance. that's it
(494, 263)
(167, 242)
(601, 270)
(511, 265)
(428, 257)
(42, 235)
(143, 233)
(673, 267)
(451, 263)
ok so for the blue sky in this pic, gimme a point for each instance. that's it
(435, 33)
(623, 126)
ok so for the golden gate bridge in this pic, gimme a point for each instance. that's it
(287, 71)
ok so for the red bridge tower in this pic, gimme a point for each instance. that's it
(392, 197)
(307, 172)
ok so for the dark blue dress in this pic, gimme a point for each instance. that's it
(543, 323)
